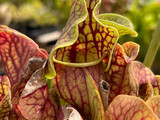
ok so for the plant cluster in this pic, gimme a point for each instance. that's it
(87, 74)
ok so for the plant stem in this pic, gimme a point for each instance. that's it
(153, 47)
(49, 83)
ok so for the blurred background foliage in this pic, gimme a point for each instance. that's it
(35, 17)
(38, 12)
(144, 15)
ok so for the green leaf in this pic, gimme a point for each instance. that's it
(122, 24)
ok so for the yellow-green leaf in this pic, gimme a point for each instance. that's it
(121, 23)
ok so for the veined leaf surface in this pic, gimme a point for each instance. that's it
(85, 40)
(119, 76)
(5, 96)
(125, 107)
(77, 87)
(33, 65)
(35, 102)
(156, 85)
(127, 76)
(154, 103)
(16, 49)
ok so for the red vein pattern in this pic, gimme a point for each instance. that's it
(16, 50)
(77, 87)
(38, 105)
(126, 107)
(94, 39)
(156, 85)
(127, 76)
(131, 51)
(142, 73)
(97, 73)
(145, 78)
(122, 24)
(33, 65)
(4, 86)
(35, 101)
(5, 105)
(119, 76)
(154, 104)
(77, 11)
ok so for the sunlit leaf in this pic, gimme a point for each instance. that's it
(126, 76)
(119, 76)
(131, 51)
(76, 86)
(35, 102)
(125, 107)
(7, 112)
(122, 24)
(4, 86)
(33, 65)
(5, 107)
(5, 96)
(154, 104)
(156, 85)
(16, 49)
(85, 40)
